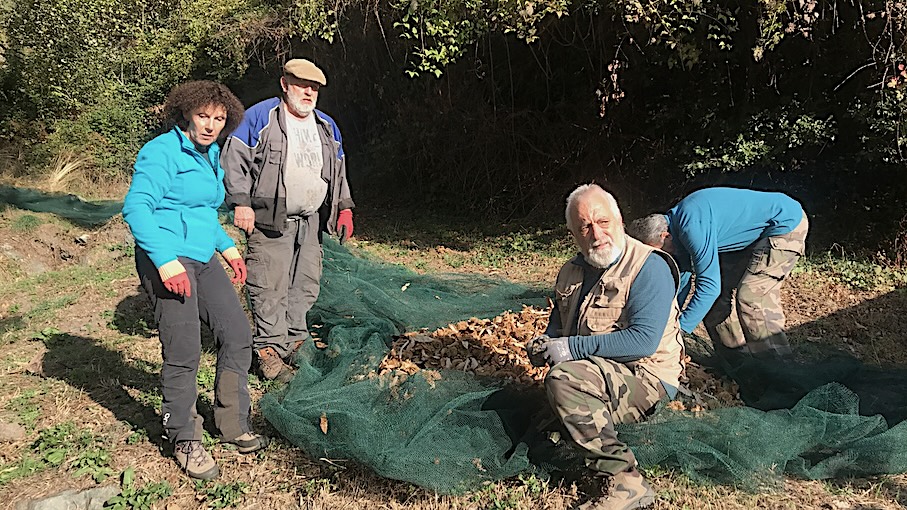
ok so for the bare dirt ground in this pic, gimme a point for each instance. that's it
(77, 345)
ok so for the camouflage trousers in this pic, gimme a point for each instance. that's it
(747, 317)
(590, 396)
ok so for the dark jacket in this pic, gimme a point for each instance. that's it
(253, 160)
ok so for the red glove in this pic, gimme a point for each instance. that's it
(179, 285)
(345, 225)
(239, 270)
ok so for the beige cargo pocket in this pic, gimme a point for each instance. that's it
(788, 243)
(606, 308)
(563, 297)
(776, 257)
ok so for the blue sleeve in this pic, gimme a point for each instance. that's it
(686, 281)
(224, 241)
(554, 323)
(696, 235)
(150, 182)
(648, 305)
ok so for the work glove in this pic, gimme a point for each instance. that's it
(175, 279)
(534, 350)
(345, 225)
(244, 218)
(236, 262)
(545, 350)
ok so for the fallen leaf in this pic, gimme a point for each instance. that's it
(676, 405)
(323, 423)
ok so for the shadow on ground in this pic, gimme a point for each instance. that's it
(133, 316)
(128, 388)
(11, 323)
(105, 375)
(860, 347)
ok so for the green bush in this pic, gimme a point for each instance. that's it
(770, 139)
(84, 76)
(109, 133)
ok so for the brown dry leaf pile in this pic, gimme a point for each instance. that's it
(708, 390)
(496, 348)
(489, 347)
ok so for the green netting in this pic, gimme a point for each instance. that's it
(452, 434)
(830, 418)
(71, 207)
(449, 434)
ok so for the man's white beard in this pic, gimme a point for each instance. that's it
(298, 106)
(603, 258)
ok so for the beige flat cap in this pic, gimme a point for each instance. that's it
(305, 70)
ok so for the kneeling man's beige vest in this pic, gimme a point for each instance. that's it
(604, 309)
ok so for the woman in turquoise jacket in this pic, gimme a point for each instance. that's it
(171, 208)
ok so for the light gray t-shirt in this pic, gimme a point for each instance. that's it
(306, 189)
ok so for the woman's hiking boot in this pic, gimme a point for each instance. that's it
(195, 461)
(249, 442)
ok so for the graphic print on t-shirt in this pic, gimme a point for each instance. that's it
(306, 188)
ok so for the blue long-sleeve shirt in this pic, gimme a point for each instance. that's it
(648, 307)
(716, 220)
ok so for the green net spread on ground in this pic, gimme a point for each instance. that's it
(453, 433)
(445, 434)
(829, 418)
(71, 207)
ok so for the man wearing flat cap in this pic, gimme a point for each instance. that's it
(285, 176)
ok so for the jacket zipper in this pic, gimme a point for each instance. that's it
(210, 165)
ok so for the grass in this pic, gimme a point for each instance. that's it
(26, 407)
(26, 223)
(47, 308)
(133, 497)
(68, 172)
(859, 273)
(99, 397)
(524, 255)
(217, 495)
(94, 462)
(64, 170)
(57, 445)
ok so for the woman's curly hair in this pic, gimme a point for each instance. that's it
(186, 97)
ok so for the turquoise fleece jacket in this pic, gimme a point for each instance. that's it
(171, 206)
(717, 220)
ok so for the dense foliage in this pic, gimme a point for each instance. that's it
(500, 107)
(88, 76)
